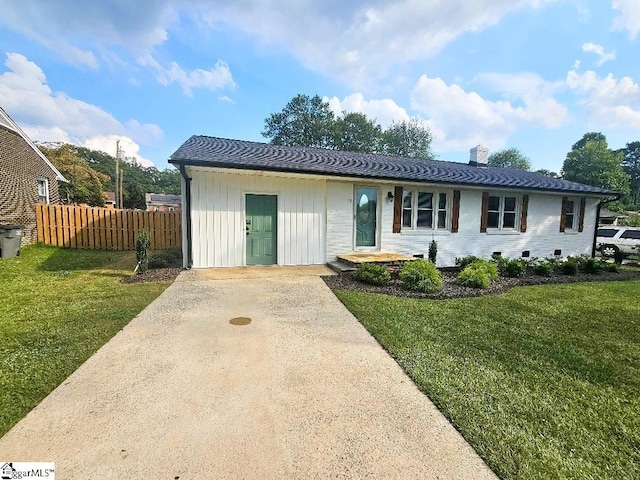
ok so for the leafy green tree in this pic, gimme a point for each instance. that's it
(593, 163)
(137, 180)
(631, 165)
(548, 173)
(510, 158)
(589, 137)
(354, 132)
(85, 185)
(304, 121)
(408, 139)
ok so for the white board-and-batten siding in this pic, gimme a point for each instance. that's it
(218, 217)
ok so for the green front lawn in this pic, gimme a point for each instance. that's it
(544, 382)
(57, 307)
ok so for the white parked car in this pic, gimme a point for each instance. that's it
(612, 239)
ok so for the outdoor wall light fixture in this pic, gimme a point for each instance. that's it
(389, 196)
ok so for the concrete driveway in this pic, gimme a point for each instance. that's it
(303, 391)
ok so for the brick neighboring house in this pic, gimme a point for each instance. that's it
(161, 202)
(27, 177)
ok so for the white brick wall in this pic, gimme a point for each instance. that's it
(542, 237)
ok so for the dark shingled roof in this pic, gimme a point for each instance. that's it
(239, 154)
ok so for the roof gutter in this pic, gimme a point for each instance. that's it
(187, 194)
(617, 196)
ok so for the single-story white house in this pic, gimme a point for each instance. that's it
(249, 203)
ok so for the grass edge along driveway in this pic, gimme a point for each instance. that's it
(57, 308)
(544, 382)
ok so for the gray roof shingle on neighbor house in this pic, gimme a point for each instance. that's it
(163, 198)
(207, 151)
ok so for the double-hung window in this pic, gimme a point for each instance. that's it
(502, 212)
(43, 190)
(424, 210)
(570, 215)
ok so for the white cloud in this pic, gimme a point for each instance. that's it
(216, 78)
(384, 111)
(63, 24)
(610, 102)
(599, 50)
(362, 42)
(225, 98)
(462, 119)
(46, 115)
(129, 149)
(356, 41)
(629, 18)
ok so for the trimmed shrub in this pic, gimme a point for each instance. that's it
(433, 251)
(478, 274)
(421, 276)
(464, 261)
(513, 268)
(611, 267)
(543, 268)
(373, 273)
(569, 266)
(592, 265)
(143, 244)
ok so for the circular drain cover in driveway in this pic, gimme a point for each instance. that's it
(240, 321)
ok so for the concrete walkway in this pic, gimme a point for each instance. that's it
(303, 391)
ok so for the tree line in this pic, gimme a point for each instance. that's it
(91, 173)
(310, 122)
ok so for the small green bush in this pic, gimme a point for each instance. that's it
(169, 258)
(612, 267)
(433, 251)
(464, 261)
(478, 274)
(569, 266)
(143, 244)
(592, 265)
(421, 276)
(373, 273)
(543, 268)
(513, 268)
(474, 278)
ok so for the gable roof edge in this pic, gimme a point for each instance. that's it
(33, 146)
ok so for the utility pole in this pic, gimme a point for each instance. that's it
(121, 189)
(117, 182)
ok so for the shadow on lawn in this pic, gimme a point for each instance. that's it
(61, 260)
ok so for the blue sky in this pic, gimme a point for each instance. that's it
(530, 74)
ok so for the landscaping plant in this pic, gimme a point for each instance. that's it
(543, 268)
(478, 274)
(433, 251)
(464, 261)
(421, 276)
(143, 244)
(373, 273)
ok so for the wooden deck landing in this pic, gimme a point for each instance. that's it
(374, 257)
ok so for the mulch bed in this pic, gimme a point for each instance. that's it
(347, 281)
(155, 275)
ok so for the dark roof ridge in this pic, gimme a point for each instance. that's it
(204, 150)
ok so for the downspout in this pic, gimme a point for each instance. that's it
(187, 193)
(595, 231)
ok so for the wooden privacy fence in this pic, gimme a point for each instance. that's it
(105, 228)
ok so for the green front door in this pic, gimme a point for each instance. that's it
(366, 216)
(261, 229)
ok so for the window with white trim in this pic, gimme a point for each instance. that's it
(424, 210)
(502, 212)
(570, 215)
(43, 190)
